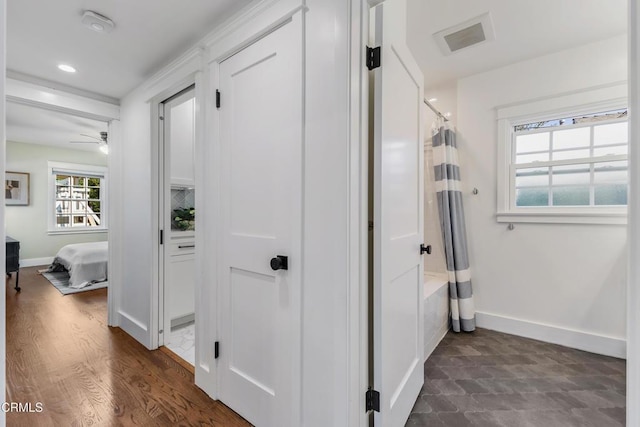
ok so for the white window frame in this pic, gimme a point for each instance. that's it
(76, 169)
(594, 100)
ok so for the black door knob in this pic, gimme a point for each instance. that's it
(426, 249)
(280, 262)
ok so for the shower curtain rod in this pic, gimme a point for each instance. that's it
(438, 113)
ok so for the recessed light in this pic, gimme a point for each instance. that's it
(66, 68)
(97, 27)
(433, 99)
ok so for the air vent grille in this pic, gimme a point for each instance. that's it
(465, 37)
(466, 34)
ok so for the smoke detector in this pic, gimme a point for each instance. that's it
(96, 22)
(473, 32)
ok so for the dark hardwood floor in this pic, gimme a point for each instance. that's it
(60, 352)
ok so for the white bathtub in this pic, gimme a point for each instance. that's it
(436, 310)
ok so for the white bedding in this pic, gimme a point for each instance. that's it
(85, 262)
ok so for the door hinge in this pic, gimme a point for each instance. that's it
(216, 350)
(217, 98)
(373, 400)
(161, 237)
(373, 57)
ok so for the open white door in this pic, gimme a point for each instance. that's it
(260, 291)
(398, 220)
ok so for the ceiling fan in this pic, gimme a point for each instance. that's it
(102, 141)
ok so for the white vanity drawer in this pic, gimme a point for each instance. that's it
(182, 247)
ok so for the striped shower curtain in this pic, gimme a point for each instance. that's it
(447, 175)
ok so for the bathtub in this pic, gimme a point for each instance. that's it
(436, 310)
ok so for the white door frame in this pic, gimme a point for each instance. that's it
(157, 204)
(633, 284)
(164, 221)
(40, 96)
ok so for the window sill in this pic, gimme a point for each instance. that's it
(77, 231)
(603, 218)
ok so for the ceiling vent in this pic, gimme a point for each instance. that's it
(469, 33)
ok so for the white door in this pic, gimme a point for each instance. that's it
(261, 153)
(398, 220)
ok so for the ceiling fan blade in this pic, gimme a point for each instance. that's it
(91, 136)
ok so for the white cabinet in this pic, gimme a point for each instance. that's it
(180, 278)
(179, 122)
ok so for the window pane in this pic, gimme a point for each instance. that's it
(615, 133)
(615, 194)
(78, 193)
(93, 193)
(530, 158)
(532, 142)
(63, 180)
(63, 220)
(572, 174)
(611, 151)
(571, 196)
(63, 192)
(79, 220)
(532, 196)
(571, 154)
(610, 172)
(94, 220)
(63, 206)
(93, 182)
(572, 138)
(94, 206)
(532, 177)
(78, 180)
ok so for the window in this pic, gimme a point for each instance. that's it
(77, 195)
(569, 166)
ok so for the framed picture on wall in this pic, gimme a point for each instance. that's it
(16, 188)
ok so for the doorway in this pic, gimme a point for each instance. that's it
(178, 224)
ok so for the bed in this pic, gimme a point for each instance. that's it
(85, 262)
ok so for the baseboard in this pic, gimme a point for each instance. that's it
(183, 320)
(32, 262)
(592, 343)
(135, 328)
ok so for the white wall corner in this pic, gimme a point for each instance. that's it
(593, 343)
(3, 317)
(633, 284)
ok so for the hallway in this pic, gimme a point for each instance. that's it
(60, 352)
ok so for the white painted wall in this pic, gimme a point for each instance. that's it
(633, 285)
(3, 68)
(28, 224)
(570, 277)
(330, 366)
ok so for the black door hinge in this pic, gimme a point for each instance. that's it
(161, 237)
(217, 98)
(373, 400)
(216, 350)
(373, 57)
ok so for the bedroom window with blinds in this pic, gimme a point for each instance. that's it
(77, 198)
(564, 160)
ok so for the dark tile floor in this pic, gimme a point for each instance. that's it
(488, 378)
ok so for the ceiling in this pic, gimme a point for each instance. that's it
(524, 29)
(148, 34)
(37, 126)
